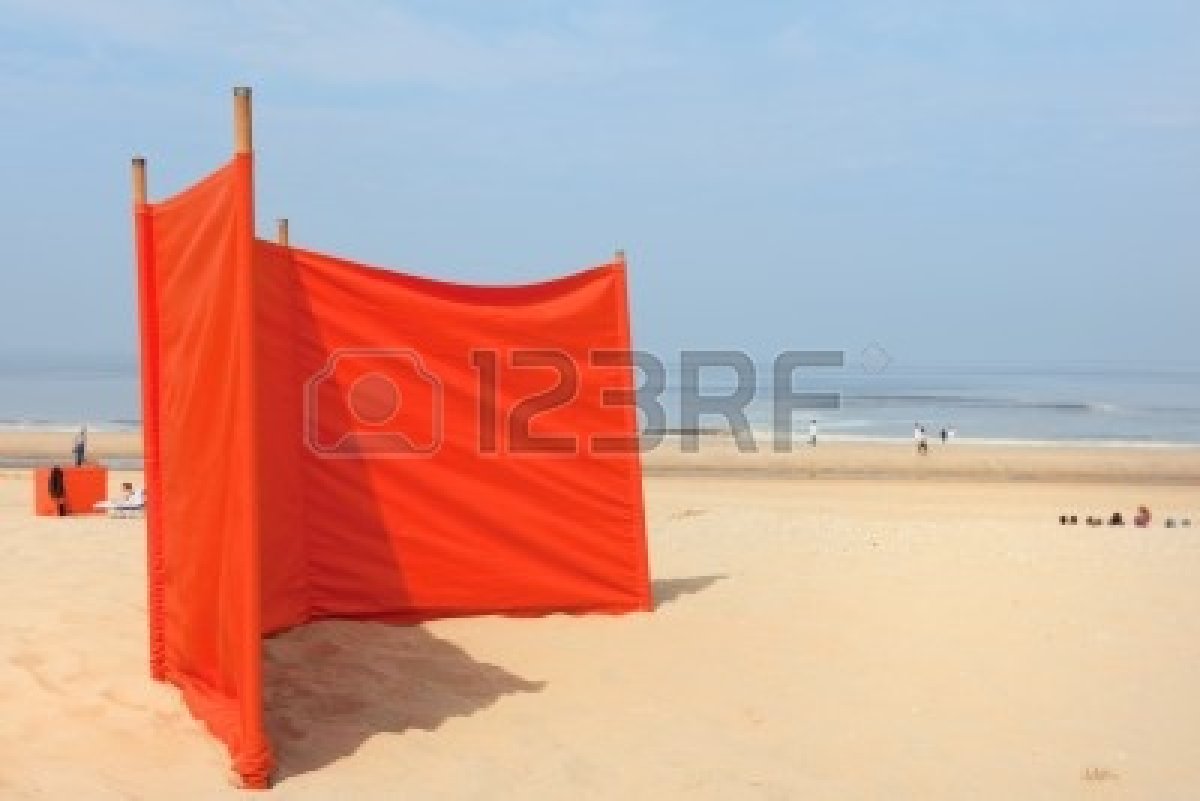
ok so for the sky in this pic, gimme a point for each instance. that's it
(956, 181)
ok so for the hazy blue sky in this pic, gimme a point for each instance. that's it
(957, 180)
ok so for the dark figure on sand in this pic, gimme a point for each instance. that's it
(57, 489)
(80, 447)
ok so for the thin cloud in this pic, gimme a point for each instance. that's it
(361, 44)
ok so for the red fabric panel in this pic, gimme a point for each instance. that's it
(148, 335)
(197, 313)
(284, 563)
(453, 531)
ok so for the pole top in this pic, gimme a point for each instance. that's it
(243, 141)
(139, 180)
(620, 255)
(281, 235)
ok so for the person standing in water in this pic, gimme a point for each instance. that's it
(812, 433)
(80, 447)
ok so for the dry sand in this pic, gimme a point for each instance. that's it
(941, 638)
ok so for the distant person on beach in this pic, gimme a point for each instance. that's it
(80, 447)
(124, 496)
(129, 501)
(57, 490)
(812, 433)
(945, 435)
(1142, 518)
(922, 440)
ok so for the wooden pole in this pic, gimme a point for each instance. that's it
(281, 235)
(243, 139)
(139, 181)
(619, 256)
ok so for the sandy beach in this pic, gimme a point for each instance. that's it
(840, 623)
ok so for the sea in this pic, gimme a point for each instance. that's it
(1019, 404)
(1053, 404)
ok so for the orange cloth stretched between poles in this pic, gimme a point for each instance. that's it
(329, 440)
(197, 316)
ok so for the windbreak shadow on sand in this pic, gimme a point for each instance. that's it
(667, 590)
(333, 684)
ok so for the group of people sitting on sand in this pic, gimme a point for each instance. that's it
(1142, 519)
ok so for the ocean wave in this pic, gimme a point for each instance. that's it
(977, 402)
(764, 435)
(40, 425)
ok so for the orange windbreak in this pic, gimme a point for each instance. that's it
(197, 320)
(324, 439)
